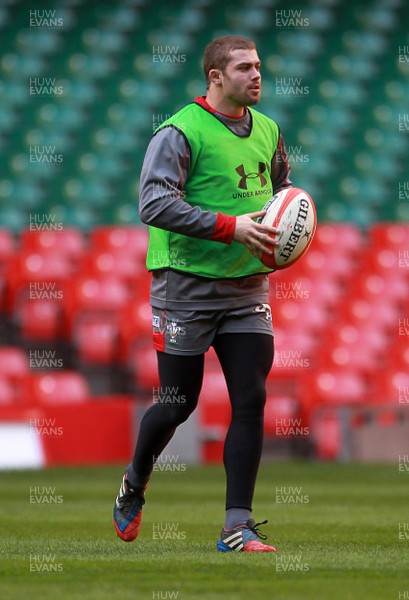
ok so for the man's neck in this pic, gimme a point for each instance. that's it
(224, 106)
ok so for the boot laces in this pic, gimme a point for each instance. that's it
(258, 533)
(127, 500)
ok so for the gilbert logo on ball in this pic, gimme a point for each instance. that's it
(292, 211)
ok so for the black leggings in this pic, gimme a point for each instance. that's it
(246, 359)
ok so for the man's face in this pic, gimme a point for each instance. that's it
(241, 81)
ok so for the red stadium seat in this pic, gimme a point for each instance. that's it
(214, 399)
(325, 290)
(95, 339)
(394, 236)
(99, 294)
(14, 372)
(351, 356)
(142, 361)
(294, 353)
(331, 237)
(215, 414)
(397, 355)
(391, 387)
(280, 415)
(94, 316)
(7, 250)
(348, 346)
(7, 392)
(306, 315)
(320, 288)
(40, 320)
(387, 266)
(29, 272)
(59, 388)
(363, 312)
(333, 387)
(326, 435)
(135, 321)
(334, 250)
(7, 246)
(287, 286)
(121, 264)
(68, 241)
(14, 362)
(133, 240)
(340, 386)
(389, 285)
(336, 265)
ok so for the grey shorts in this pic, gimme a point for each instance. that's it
(187, 332)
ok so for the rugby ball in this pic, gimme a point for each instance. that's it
(292, 211)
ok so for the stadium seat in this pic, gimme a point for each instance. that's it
(387, 262)
(365, 336)
(121, 264)
(330, 237)
(135, 321)
(336, 264)
(133, 240)
(7, 249)
(14, 371)
(334, 388)
(319, 287)
(142, 361)
(394, 236)
(214, 414)
(93, 317)
(280, 416)
(391, 387)
(397, 355)
(299, 314)
(68, 241)
(7, 246)
(95, 339)
(357, 347)
(353, 356)
(59, 388)
(7, 392)
(295, 352)
(326, 435)
(29, 272)
(104, 293)
(391, 285)
(40, 320)
(362, 312)
(327, 291)
(14, 362)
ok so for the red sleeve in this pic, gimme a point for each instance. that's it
(280, 168)
(224, 229)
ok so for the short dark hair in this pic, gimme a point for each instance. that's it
(217, 53)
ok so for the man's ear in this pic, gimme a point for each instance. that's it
(215, 76)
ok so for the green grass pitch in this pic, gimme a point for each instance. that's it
(341, 532)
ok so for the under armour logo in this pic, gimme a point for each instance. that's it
(244, 176)
(264, 308)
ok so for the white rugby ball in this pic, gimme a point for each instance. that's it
(292, 211)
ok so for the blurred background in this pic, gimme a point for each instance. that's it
(82, 87)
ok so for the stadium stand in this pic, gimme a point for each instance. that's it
(80, 94)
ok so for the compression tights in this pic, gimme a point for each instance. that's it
(246, 359)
